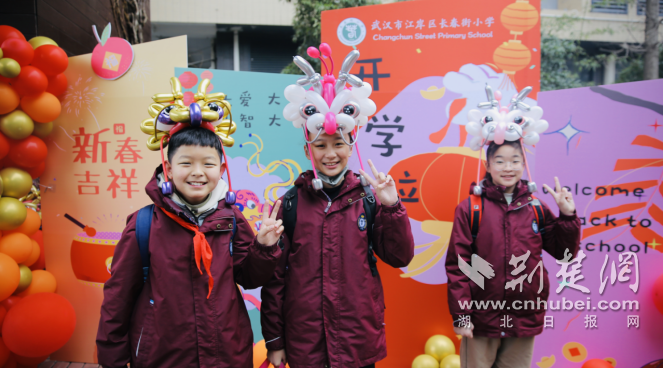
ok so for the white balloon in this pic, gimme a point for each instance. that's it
(474, 115)
(488, 131)
(362, 92)
(339, 101)
(541, 126)
(475, 143)
(532, 139)
(361, 120)
(346, 120)
(318, 101)
(298, 123)
(367, 107)
(473, 128)
(294, 93)
(312, 123)
(534, 113)
(513, 134)
(291, 111)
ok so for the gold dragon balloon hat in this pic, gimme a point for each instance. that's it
(170, 115)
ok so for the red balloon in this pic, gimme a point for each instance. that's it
(39, 324)
(51, 59)
(36, 171)
(19, 50)
(596, 363)
(4, 146)
(658, 293)
(10, 302)
(28, 152)
(57, 85)
(31, 81)
(10, 32)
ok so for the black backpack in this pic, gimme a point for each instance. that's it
(370, 208)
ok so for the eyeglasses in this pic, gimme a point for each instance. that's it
(501, 165)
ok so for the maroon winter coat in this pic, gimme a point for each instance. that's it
(168, 321)
(323, 305)
(506, 230)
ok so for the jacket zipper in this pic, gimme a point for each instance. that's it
(138, 345)
(328, 203)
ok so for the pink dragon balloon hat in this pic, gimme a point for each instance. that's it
(329, 106)
(517, 121)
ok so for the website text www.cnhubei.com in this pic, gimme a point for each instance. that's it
(553, 305)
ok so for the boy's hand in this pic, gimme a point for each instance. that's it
(270, 229)
(464, 331)
(385, 186)
(563, 198)
(276, 357)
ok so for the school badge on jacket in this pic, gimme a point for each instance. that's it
(361, 222)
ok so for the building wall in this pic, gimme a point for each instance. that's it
(244, 12)
(67, 22)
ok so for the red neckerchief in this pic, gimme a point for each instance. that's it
(201, 248)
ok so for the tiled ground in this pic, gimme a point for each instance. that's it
(54, 364)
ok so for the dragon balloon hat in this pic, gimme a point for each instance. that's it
(169, 115)
(493, 122)
(329, 105)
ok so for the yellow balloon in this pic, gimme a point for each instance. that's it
(439, 346)
(451, 361)
(1, 187)
(12, 213)
(9, 68)
(25, 278)
(41, 40)
(42, 130)
(425, 361)
(16, 125)
(16, 182)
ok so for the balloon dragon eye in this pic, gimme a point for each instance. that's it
(351, 109)
(308, 110)
(213, 106)
(168, 108)
(518, 120)
(487, 119)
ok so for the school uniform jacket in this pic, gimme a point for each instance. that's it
(323, 305)
(169, 321)
(506, 231)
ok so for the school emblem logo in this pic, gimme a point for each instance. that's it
(535, 227)
(361, 222)
(351, 31)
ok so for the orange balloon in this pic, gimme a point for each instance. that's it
(5, 353)
(39, 325)
(42, 282)
(40, 264)
(10, 276)
(17, 245)
(42, 108)
(29, 227)
(34, 256)
(9, 99)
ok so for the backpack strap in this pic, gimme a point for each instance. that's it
(233, 235)
(476, 211)
(539, 214)
(143, 226)
(289, 213)
(370, 208)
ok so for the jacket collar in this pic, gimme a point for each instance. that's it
(305, 180)
(496, 192)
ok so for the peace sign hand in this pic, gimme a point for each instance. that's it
(385, 186)
(270, 229)
(563, 198)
